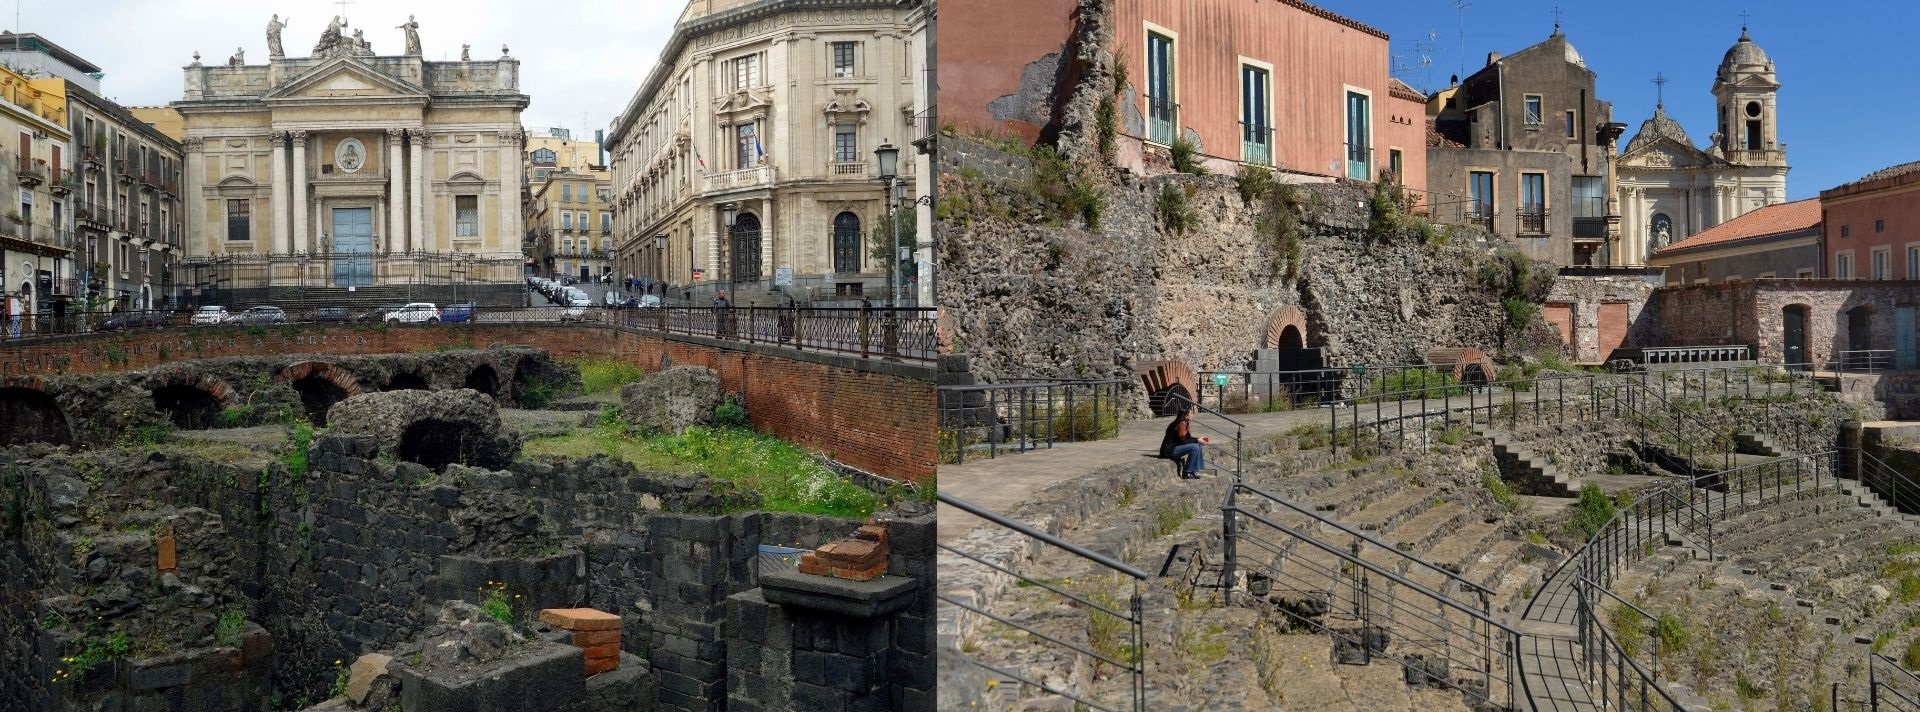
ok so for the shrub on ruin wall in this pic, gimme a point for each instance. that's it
(1172, 209)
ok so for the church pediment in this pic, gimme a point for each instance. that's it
(1666, 153)
(342, 78)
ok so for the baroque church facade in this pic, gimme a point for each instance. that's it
(1670, 189)
(350, 169)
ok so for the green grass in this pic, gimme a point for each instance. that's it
(1593, 512)
(606, 375)
(1502, 494)
(787, 478)
(1168, 516)
(227, 630)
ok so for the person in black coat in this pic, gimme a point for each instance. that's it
(1181, 446)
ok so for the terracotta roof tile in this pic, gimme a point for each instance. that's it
(1436, 139)
(1770, 220)
(1401, 89)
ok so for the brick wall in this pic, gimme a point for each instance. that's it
(874, 415)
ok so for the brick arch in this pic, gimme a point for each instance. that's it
(348, 383)
(1163, 379)
(189, 377)
(1276, 334)
(1468, 365)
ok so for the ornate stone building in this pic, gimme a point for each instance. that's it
(126, 204)
(1671, 190)
(350, 169)
(774, 107)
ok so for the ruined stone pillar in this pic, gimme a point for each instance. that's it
(299, 199)
(396, 194)
(282, 187)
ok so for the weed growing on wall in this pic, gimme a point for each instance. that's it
(1186, 157)
(606, 375)
(787, 478)
(1171, 207)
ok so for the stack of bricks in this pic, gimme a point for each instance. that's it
(596, 633)
(862, 558)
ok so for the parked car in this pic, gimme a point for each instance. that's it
(649, 301)
(375, 316)
(210, 316)
(134, 320)
(325, 315)
(415, 313)
(457, 313)
(576, 309)
(258, 316)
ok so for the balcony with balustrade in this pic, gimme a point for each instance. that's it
(31, 171)
(123, 171)
(744, 179)
(848, 170)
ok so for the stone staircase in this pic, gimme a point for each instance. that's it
(1529, 472)
(1758, 444)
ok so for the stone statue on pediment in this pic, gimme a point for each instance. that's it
(274, 26)
(413, 36)
(239, 57)
(464, 57)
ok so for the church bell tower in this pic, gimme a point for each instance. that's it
(1745, 91)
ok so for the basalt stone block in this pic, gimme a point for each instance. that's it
(885, 595)
(546, 676)
(154, 677)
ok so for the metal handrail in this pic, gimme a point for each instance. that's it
(1134, 616)
(1903, 701)
(1023, 415)
(1357, 534)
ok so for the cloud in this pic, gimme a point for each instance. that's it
(580, 60)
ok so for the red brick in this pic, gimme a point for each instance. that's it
(596, 637)
(610, 650)
(852, 551)
(168, 553)
(859, 574)
(595, 667)
(872, 532)
(578, 619)
(877, 422)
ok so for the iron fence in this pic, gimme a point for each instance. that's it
(1897, 489)
(1683, 510)
(1123, 647)
(986, 419)
(896, 334)
(1863, 361)
(1889, 683)
(1443, 636)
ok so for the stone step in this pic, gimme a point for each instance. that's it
(1354, 494)
(1462, 546)
(1416, 534)
(1379, 516)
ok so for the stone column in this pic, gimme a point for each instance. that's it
(299, 199)
(396, 194)
(191, 199)
(493, 239)
(417, 170)
(282, 187)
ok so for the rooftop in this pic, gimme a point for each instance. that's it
(30, 42)
(1776, 219)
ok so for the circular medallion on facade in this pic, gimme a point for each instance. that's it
(349, 155)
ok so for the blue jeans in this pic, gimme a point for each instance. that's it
(1191, 456)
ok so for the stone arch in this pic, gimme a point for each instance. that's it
(320, 385)
(484, 379)
(408, 379)
(191, 400)
(1286, 329)
(28, 414)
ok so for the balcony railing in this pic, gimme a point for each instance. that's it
(1482, 219)
(122, 170)
(755, 177)
(1533, 222)
(847, 169)
(1162, 116)
(32, 171)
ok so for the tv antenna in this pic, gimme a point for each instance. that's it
(1462, 6)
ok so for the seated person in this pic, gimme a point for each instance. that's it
(1181, 446)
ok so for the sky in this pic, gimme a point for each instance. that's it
(580, 61)
(1843, 64)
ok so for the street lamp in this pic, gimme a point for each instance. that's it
(728, 213)
(888, 159)
(660, 260)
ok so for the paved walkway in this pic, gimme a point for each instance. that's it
(1000, 483)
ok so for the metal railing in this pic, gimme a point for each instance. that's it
(1897, 489)
(1863, 361)
(1354, 594)
(1890, 683)
(846, 331)
(1533, 222)
(1267, 391)
(983, 420)
(1683, 510)
(1121, 643)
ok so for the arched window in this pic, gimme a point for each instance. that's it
(746, 248)
(846, 243)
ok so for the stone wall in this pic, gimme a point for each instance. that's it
(350, 554)
(1582, 295)
(868, 413)
(1033, 293)
(1751, 313)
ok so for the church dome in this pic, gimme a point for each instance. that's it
(1743, 53)
(1661, 125)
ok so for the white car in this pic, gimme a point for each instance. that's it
(415, 313)
(611, 299)
(576, 309)
(649, 301)
(210, 316)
